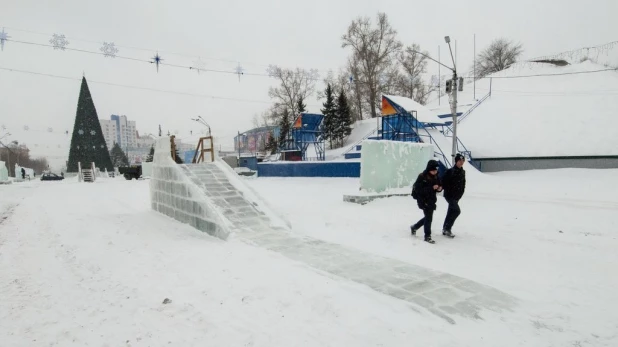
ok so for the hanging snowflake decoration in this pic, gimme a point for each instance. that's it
(109, 49)
(59, 41)
(198, 65)
(77, 147)
(239, 71)
(49, 130)
(102, 146)
(157, 60)
(92, 132)
(26, 127)
(81, 132)
(3, 37)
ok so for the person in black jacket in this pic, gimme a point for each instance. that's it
(454, 183)
(425, 187)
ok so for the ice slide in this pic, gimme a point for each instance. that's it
(212, 198)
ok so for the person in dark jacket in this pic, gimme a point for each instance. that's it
(426, 186)
(454, 184)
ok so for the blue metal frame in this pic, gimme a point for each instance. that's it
(404, 126)
(309, 132)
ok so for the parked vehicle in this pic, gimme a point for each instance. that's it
(48, 176)
(131, 172)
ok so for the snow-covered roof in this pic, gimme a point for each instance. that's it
(423, 114)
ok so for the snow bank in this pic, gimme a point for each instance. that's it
(392, 164)
(174, 195)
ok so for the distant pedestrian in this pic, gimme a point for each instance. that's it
(23, 173)
(454, 183)
(424, 191)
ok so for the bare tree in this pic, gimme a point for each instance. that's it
(373, 50)
(262, 120)
(293, 84)
(499, 55)
(410, 82)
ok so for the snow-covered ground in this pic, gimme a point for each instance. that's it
(90, 265)
(546, 237)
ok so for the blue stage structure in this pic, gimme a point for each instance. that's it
(306, 131)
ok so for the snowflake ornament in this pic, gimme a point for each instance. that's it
(157, 60)
(198, 65)
(81, 132)
(109, 49)
(92, 132)
(59, 41)
(239, 71)
(102, 146)
(50, 130)
(3, 38)
(26, 127)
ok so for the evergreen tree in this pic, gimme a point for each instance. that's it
(330, 116)
(284, 126)
(87, 142)
(301, 106)
(150, 156)
(271, 144)
(118, 156)
(343, 126)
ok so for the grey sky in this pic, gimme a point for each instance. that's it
(254, 33)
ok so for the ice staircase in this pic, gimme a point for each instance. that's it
(250, 219)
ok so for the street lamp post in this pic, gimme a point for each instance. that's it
(451, 87)
(201, 120)
(454, 88)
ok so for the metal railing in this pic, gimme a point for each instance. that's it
(359, 141)
(459, 119)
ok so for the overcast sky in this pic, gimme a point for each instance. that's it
(254, 33)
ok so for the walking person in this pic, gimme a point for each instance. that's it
(454, 184)
(424, 191)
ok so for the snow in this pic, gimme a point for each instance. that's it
(539, 235)
(95, 268)
(569, 115)
(360, 131)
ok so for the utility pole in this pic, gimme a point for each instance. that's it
(454, 87)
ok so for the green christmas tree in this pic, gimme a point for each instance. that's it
(87, 143)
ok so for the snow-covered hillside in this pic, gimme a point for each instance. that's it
(571, 114)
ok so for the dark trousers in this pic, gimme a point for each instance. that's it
(426, 221)
(451, 214)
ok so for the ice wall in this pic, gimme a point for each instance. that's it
(29, 172)
(147, 169)
(4, 172)
(174, 195)
(392, 164)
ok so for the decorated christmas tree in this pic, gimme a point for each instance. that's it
(87, 144)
